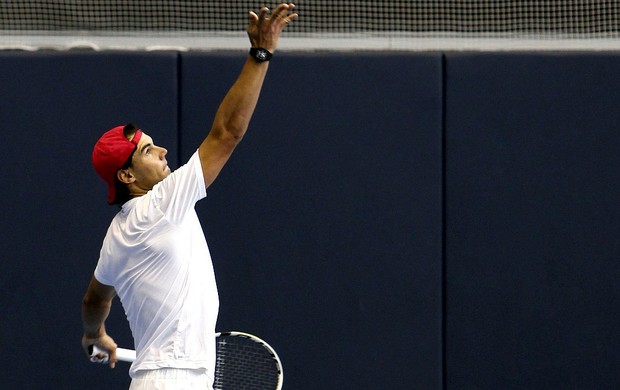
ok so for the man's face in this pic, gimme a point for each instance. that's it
(149, 165)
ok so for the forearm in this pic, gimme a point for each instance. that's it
(94, 314)
(96, 306)
(234, 113)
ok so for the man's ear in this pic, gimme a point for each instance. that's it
(125, 176)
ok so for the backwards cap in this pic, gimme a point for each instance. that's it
(111, 153)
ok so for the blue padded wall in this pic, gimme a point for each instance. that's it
(54, 210)
(325, 226)
(532, 173)
(390, 220)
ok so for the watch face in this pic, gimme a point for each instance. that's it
(261, 54)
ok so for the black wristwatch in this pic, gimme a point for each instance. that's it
(260, 54)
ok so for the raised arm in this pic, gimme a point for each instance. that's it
(96, 306)
(234, 113)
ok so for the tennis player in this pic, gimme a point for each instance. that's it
(154, 254)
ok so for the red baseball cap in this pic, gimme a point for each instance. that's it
(111, 153)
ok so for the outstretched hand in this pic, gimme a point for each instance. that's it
(264, 29)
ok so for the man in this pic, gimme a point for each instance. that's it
(154, 255)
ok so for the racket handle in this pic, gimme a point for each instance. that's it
(122, 354)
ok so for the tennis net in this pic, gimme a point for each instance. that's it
(323, 25)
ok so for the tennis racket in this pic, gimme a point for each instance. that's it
(243, 362)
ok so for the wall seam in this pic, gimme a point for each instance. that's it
(444, 366)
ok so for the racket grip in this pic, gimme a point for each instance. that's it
(122, 354)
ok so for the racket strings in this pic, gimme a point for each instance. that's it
(244, 364)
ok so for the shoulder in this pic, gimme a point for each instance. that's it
(184, 183)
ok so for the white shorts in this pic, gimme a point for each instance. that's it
(171, 379)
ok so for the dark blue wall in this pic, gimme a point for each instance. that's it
(314, 214)
(390, 220)
(53, 107)
(532, 221)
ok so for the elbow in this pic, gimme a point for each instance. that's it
(234, 137)
(94, 302)
(88, 301)
(90, 305)
(232, 130)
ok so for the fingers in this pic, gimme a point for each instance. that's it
(264, 27)
(263, 12)
(279, 15)
(113, 358)
(100, 356)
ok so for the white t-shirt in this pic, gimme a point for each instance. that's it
(156, 257)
